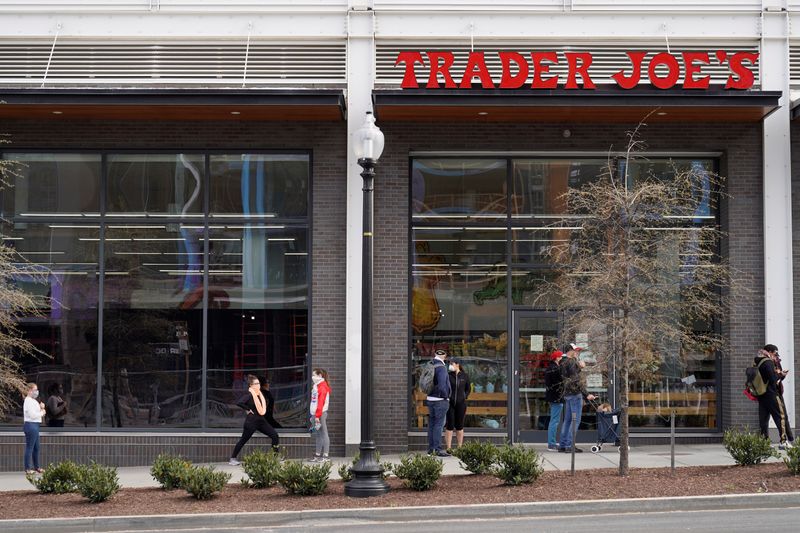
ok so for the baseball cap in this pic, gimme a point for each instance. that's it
(556, 355)
(440, 353)
(572, 346)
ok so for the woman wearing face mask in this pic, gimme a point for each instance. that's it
(459, 392)
(33, 411)
(56, 407)
(320, 397)
(254, 403)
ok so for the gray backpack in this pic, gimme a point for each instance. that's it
(426, 377)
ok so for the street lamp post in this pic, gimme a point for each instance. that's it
(367, 472)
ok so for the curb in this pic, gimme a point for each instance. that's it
(378, 515)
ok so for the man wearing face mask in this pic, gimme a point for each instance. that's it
(438, 404)
(33, 411)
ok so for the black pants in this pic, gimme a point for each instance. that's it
(770, 406)
(455, 416)
(252, 424)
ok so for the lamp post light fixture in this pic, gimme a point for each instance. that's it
(367, 472)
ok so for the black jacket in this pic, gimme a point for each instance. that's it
(459, 387)
(768, 374)
(553, 383)
(571, 373)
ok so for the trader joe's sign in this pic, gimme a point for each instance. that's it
(663, 70)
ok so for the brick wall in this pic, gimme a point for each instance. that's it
(328, 142)
(792, 365)
(742, 218)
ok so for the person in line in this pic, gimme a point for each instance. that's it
(33, 410)
(56, 407)
(270, 416)
(320, 398)
(768, 403)
(554, 395)
(438, 405)
(254, 403)
(574, 393)
(780, 373)
(457, 411)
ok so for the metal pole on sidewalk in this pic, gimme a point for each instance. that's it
(574, 436)
(672, 440)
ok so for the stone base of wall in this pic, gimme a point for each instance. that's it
(137, 449)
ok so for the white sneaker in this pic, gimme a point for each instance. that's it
(325, 459)
(234, 462)
(315, 459)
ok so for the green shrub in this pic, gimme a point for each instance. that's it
(476, 456)
(792, 460)
(747, 448)
(303, 479)
(346, 473)
(419, 471)
(262, 469)
(203, 482)
(97, 483)
(517, 465)
(57, 478)
(169, 470)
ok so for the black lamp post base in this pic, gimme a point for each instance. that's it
(367, 475)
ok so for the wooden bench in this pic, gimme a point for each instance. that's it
(476, 405)
(683, 403)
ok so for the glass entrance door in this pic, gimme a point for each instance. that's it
(535, 338)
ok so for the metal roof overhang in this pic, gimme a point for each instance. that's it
(795, 110)
(173, 104)
(574, 106)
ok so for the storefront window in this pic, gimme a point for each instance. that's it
(155, 185)
(152, 281)
(258, 320)
(260, 186)
(52, 185)
(539, 186)
(459, 189)
(57, 265)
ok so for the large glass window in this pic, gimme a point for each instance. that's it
(258, 320)
(52, 185)
(125, 289)
(57, 264)
(470, 242)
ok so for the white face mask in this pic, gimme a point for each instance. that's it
(452, 368)
(35, 394)
(316, 379)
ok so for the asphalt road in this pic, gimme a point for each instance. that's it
(727, 521)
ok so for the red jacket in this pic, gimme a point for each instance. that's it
(319, 398)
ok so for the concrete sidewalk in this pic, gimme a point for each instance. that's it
(640, 457)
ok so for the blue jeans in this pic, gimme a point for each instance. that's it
(552, 428)
(438, 416)
(572, 404)
(31, 445)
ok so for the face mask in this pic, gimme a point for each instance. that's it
(35, 394)
(316, 379)
(452, 368)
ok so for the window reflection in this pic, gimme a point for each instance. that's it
(155, 184)
(152, 326)
(52, 185)
(65, 330)
(539, 185)
(258, 319)
(259, 185)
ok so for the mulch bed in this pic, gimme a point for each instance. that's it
(458, 490)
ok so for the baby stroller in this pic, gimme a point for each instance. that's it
(607, 428)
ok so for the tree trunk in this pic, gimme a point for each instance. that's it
(622, 383)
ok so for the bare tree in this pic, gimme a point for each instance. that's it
(15, 304)
(638, 269)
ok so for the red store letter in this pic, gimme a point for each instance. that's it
(672, 76)
(476, 66)
(744, 75)
(513, 82)
(409, 59)
(631, 82)
(578, 63)
(539, 69)
(689, 59)
(436, 68)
